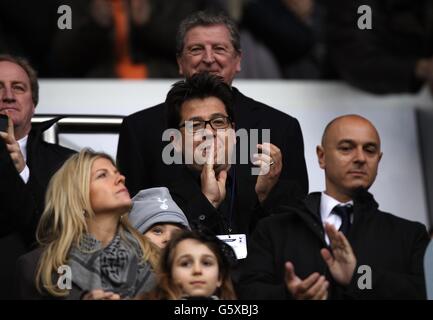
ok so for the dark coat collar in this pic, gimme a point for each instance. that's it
(363, 201)
(309, 210)
(35, 137)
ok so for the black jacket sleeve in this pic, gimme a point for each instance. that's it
(386, 284)
(20, 202)
(259, 278)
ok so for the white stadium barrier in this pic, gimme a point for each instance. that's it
(399, 187)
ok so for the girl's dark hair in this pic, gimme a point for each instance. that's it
(224, 254)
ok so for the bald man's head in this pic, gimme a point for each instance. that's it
(349, 118)
(349, 154)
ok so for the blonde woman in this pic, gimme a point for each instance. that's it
(87, 249)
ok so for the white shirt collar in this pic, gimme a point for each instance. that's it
(327, 203)
(23, 146)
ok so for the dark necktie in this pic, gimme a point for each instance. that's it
(344, 213)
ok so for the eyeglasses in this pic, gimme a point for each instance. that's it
(198, 126)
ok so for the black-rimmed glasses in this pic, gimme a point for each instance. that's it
(196, 126)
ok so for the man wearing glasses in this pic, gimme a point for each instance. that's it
(209, 43)
(211, 190)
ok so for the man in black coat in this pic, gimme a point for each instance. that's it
(210, 189)
(26, 165)
(211, 43)
(375, 255)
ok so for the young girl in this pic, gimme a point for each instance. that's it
(194, 265)
(88, 250)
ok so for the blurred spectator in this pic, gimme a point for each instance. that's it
(283, 26)
(27, 29)
(395, 56)
(136, 38)
(258, 61)
(313, 64)
(120, 38)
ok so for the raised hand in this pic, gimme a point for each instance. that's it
(213, 185)
(13, 147)
(314, 287)
(270, 162)
(342, 261)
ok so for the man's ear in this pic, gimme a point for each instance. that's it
(239, 65)
(179, 65)
(321, 156)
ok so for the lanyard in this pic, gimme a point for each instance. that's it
(232, 199)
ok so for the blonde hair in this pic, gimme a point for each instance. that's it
(63, 222)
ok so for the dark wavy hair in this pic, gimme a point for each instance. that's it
(199, 86)
(226, 258)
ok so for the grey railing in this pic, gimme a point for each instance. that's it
(78, 124)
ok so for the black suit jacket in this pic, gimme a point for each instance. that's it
(140, 145)
(246, 211)
(21, 205)
(393, 248)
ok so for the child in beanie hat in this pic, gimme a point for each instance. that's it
(156, 215)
